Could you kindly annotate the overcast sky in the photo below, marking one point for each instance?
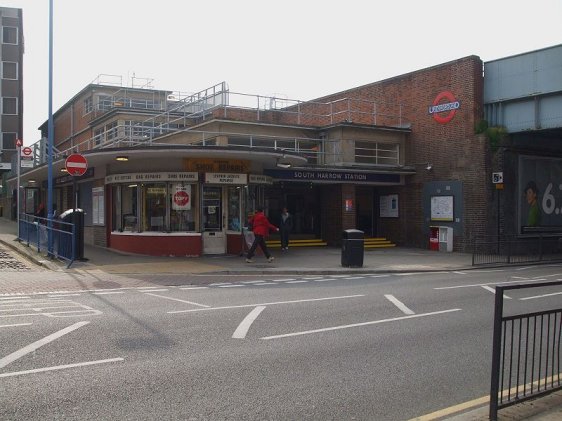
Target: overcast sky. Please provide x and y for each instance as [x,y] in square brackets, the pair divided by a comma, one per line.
[296,49]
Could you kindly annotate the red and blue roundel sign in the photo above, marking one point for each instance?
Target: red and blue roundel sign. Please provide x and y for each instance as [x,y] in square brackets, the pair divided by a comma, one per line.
[444,107]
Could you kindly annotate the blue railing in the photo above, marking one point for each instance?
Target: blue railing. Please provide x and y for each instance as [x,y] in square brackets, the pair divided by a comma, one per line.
[39,232]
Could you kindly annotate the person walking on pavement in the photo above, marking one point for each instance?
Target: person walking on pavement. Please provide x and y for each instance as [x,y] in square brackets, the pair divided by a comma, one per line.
[260,226]
[285,228]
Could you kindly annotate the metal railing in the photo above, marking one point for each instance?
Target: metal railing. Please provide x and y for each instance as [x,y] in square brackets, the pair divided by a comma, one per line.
[516,250]
[35,231]
[526,352]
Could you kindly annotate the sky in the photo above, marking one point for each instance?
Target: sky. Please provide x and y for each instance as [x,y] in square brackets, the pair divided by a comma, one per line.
[293,49]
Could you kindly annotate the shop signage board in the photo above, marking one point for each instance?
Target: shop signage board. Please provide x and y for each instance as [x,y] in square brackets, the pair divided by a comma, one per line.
[320,176]
[217,165]
[226,178]
[26,155]
[260,179]
[76,165]
[187,177]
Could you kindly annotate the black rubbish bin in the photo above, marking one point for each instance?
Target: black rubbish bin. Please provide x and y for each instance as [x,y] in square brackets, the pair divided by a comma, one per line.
[352,248]
[76,217]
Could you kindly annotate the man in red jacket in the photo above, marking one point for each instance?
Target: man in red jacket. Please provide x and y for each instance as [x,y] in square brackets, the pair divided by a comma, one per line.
[260,227]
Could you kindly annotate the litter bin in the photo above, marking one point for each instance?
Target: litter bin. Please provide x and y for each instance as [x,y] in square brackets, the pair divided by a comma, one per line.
[352,249]
[76,217]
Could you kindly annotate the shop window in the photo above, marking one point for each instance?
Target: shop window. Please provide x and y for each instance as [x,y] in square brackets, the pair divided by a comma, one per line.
[154,195]
[183,207]
[234,210]
[125,211]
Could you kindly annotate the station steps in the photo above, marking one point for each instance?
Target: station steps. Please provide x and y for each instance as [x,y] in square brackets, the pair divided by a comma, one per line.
[369,243]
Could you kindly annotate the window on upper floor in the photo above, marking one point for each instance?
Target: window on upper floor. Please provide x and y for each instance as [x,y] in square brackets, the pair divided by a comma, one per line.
[88,105]
[9,141]
[111,130]
[9,35]
[9,70]
[377,153]
[105,102]
[98,136]
[9,106]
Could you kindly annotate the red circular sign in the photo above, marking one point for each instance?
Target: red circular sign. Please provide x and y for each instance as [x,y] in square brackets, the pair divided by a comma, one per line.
[27,151]
[181,198]
[439,107]
[76,164]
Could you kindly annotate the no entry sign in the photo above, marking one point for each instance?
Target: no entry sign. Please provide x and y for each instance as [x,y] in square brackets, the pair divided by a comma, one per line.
[76,164]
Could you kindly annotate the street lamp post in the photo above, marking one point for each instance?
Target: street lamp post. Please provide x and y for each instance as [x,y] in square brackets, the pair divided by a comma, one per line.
[50,137]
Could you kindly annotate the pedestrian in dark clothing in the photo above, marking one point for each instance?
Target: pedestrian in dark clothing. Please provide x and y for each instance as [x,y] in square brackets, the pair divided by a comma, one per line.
[260,226]
[285,228]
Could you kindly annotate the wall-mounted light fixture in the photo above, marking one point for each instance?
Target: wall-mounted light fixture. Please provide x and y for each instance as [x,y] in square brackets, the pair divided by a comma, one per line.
[63,169]
[121,158]
[283,164]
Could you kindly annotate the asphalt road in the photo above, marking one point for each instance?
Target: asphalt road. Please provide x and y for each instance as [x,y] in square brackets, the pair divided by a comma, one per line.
[366,347]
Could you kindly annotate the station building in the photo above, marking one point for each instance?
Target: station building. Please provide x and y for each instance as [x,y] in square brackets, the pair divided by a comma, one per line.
[411,158]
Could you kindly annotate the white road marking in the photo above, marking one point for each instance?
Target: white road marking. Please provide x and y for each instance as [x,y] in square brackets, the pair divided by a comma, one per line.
[231,286]
[15,298]
[327,329]
[156,290]
[322,280]
[60,367]
[312,277]
[64,295]
[296,282]
[459,272]
[177,299]
[493,291]
[338,276]
[488,271]
[147,287]
[398,304]
[519,277]
[282,280]
[266,283]
[378,276]
[490,283]
[216,284]
[194,288]
[356,277]
[17,324]
[242,329]
[540,296]
[38,344]
[108,293]
[252,282]
[267,304]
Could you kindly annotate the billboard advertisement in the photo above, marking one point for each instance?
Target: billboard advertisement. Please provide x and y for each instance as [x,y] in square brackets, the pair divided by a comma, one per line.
[540,194]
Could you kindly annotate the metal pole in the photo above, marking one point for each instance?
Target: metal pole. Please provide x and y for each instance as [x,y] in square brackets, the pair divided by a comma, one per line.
[496,353]
[50,137]
[18,191]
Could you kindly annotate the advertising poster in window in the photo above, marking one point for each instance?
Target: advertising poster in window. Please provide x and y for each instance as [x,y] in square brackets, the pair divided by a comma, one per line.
[181,198]
[540,194]
[389,206]
[442,208]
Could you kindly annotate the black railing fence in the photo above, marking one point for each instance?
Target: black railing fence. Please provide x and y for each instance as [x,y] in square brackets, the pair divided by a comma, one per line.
[35,231]
[516,250]
[526,352]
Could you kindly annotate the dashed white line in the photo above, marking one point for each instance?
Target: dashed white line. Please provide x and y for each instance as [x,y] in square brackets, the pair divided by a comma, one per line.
[219,284]
[374,322]
[15,298]
[189,288]
[459,272]
[282,280]
[252,282]
[231,286]
[177,299]
[398,304]
[63,295]
[60,367]
[296,282]
[244,326]
[108,293]
[322,280]
[267,304]
[355,277]
[266,283]
[38,344]
[17,324]
[493,291]
[540,296]
[155,290]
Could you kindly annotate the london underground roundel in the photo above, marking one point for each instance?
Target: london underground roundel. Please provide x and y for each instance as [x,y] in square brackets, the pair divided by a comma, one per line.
[444,107]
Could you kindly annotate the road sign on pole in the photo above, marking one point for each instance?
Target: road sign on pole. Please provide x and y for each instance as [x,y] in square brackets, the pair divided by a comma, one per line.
[76,164]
